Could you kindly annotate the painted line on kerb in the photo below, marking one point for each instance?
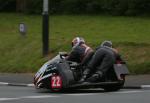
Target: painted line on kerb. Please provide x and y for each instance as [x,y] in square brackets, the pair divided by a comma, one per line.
[3,83]
[16,84]
[7,99]
[30,85]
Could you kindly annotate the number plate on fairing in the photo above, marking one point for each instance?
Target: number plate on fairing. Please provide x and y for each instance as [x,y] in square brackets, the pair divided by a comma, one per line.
[56,82]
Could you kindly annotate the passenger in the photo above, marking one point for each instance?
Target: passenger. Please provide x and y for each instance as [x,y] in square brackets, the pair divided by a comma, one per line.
[102,60]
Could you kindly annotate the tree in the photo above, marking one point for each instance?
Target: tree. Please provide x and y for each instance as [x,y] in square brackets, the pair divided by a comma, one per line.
[21,5]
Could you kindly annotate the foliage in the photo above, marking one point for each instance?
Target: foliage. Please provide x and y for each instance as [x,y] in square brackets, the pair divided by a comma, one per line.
[114,7]
[34,7]
[7,5]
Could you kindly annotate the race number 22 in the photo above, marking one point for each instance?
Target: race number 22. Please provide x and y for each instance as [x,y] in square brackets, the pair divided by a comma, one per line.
[56,82]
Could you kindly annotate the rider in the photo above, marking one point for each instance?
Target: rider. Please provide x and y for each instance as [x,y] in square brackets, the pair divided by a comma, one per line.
[102,60]
[80,53]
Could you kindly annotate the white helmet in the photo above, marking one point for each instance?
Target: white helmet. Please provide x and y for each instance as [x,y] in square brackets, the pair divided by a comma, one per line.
[77,41]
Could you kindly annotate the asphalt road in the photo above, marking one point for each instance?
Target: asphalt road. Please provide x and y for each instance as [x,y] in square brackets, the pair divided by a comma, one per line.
[131,80]
[15,94]
[22,94]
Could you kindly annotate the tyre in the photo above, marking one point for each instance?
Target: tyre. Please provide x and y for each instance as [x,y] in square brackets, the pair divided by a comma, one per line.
[115,87]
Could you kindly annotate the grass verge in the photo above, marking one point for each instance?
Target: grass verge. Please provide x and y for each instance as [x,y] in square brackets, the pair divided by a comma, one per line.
[130,36]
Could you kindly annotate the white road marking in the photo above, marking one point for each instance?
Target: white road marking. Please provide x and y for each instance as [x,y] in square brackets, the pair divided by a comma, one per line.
[34,97]
[16,84]
[132,91]
[145,86]
[28,97]
[6,99]
[118,92]
[3,83]
[81,94]
[128,92]
[30,85]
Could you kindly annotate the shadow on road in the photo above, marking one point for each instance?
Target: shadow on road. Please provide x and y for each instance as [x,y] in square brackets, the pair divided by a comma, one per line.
[73,91]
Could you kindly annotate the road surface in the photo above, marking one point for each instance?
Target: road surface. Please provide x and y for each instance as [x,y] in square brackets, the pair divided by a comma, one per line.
[23,94]
[15,94]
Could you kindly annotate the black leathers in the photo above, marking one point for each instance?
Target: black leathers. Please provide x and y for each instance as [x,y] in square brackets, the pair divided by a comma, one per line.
[102,60]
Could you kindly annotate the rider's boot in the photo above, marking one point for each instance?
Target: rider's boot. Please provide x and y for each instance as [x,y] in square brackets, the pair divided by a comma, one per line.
[96,77]
[85,75]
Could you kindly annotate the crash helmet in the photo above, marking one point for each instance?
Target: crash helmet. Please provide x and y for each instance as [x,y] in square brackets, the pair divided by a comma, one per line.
[77,41]
[106,43]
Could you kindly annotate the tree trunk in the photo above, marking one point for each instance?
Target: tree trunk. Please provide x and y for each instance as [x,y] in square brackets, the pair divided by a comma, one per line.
[21,5]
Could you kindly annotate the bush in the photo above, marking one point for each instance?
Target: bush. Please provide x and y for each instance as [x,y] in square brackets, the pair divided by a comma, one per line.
[126,7]
[7,5]
[34,7]
[94,7]
[136,7]
[74,6]
[114,7]
[55,6]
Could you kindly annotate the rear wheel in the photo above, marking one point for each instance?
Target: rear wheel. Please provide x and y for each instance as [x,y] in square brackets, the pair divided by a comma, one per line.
[115,87]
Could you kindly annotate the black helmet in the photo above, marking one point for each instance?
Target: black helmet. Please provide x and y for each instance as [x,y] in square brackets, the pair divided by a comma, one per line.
[77,41]
[106,43]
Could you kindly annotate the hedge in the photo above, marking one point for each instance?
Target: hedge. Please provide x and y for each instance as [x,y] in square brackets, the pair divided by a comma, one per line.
[7,5]
[114,7]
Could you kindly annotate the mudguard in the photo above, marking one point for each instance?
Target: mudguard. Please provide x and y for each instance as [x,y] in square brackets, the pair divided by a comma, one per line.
[121,69]
[65,73]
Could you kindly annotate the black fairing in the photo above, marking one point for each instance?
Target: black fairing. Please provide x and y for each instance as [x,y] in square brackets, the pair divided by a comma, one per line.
[66,73]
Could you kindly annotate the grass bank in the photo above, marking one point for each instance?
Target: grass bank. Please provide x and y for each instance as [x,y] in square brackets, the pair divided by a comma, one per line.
[130,35]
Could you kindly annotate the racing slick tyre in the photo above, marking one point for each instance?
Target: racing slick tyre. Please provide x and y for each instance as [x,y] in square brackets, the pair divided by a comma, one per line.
[115,87]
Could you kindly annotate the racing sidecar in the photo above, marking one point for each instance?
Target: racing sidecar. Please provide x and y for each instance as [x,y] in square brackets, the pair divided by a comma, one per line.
[58,74]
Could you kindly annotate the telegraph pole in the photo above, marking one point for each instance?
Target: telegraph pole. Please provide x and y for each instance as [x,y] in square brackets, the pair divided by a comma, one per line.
[45,34]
